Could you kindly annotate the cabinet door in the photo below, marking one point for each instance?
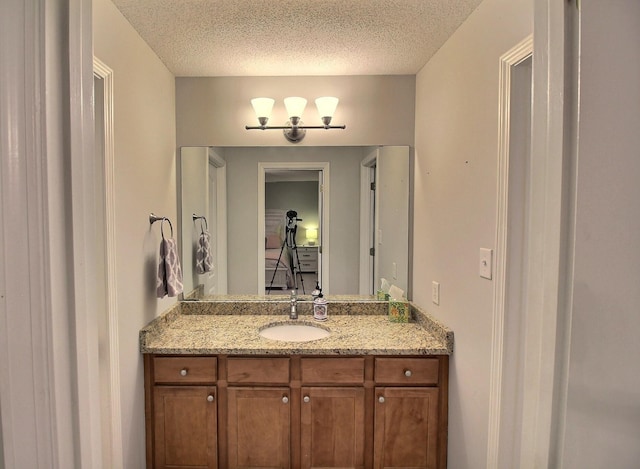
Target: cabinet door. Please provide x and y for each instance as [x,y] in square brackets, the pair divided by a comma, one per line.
[332,430]
[185,423]
[406,428]
[258,427]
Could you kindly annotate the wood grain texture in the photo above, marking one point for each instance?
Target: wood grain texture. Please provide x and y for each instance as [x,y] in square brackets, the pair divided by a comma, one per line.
[185,427]
[258,370]
[406,428]
[332,427]
[199,370]
[332,370]
[258,427]
[421,371]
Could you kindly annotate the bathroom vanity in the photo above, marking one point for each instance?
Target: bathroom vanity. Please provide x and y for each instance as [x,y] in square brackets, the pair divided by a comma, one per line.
[372,394]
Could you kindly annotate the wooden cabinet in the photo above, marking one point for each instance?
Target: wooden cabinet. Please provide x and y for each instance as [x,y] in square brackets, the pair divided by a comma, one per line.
[410,421]
[332,427]
[258,413]
[296,412]
[182,402]
[332,412]
[258,427]
[406,428]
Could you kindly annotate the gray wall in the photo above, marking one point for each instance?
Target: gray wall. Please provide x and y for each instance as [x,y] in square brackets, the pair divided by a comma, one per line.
[392,191]
[242,198]
[602,424]
[301,196]
[377,110]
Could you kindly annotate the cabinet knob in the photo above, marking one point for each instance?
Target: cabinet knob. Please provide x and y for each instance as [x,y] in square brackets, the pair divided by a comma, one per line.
[183,372]
[407,373]
[285,399]
[306,399]
[381,399]
[210,398]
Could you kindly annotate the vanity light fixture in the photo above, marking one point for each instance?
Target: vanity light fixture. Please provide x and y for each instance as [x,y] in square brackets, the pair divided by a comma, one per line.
[295,130]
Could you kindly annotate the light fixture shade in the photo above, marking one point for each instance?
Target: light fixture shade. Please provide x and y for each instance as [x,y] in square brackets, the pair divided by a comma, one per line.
[295,106]
[312,235]
[262,107]
[326,106]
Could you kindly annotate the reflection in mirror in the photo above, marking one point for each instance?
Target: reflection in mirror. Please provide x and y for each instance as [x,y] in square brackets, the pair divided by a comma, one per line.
[202,212]
[362,235]
[292,207]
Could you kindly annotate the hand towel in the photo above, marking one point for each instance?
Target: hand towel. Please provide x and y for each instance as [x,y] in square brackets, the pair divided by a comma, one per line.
[204,258]
[169,270]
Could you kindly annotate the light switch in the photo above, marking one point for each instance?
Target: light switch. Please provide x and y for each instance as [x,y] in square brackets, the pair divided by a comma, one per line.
[435,292]
[486,263]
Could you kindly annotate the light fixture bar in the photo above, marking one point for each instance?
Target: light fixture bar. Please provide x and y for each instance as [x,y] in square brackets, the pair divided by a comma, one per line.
[302,127]
[295,130]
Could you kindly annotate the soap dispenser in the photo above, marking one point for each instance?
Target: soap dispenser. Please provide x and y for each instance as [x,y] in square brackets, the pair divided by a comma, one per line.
[320,308]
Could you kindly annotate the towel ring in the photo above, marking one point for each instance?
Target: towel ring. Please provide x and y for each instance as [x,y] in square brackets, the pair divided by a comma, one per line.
[206,225]
[162,227]
[153,218]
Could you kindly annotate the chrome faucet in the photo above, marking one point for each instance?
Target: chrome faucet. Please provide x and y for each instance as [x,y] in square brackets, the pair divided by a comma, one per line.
[293,313]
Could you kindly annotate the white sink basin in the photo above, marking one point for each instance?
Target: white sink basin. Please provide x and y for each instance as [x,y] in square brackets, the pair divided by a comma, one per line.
[294,332]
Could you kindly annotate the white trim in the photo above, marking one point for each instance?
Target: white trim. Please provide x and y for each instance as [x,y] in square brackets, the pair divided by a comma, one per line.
[215,159]
[366,267]
[325,240]
[221,221]
[81,146]
[512,58]
[544,303]
[102,71]
[28,370]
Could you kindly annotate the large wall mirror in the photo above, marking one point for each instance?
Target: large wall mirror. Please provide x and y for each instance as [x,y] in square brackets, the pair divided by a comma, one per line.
[347,207]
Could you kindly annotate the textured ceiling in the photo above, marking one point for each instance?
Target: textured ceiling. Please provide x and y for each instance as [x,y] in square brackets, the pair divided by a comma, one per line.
[295,37]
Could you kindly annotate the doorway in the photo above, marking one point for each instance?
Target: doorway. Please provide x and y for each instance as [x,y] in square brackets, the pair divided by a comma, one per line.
[292,227]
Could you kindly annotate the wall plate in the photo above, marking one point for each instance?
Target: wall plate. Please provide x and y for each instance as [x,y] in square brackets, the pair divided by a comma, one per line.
[486,262]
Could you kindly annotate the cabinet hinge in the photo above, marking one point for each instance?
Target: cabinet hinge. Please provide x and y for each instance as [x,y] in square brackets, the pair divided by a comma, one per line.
[372,251]
[373,186]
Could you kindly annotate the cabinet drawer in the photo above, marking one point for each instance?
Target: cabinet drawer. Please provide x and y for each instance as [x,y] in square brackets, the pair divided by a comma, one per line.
[307,255]
[307,266]
[409,371]
[186,370]
[258,371]
[332,370]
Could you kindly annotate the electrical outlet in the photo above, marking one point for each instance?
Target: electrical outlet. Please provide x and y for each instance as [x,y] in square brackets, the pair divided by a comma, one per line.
[435,292]
[394,270]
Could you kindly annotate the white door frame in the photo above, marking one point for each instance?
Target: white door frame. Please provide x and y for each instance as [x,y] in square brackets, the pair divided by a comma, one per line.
[545,305]
[366,216]
[323,166]
[113,440]
[48,377]
[220,166]
[508,61]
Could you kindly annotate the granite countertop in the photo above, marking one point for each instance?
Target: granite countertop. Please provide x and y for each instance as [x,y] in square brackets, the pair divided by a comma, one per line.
[232,326]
